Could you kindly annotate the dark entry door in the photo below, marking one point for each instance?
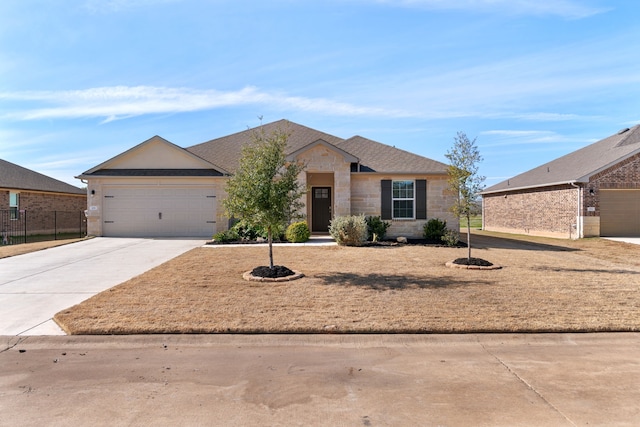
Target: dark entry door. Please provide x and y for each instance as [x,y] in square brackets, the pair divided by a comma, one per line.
[320,209]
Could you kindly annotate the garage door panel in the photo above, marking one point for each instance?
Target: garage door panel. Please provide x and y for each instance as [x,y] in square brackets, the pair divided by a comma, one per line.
[620,213]
[159,211]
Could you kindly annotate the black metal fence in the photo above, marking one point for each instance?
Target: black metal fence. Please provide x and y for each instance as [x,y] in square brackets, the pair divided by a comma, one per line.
[35,226]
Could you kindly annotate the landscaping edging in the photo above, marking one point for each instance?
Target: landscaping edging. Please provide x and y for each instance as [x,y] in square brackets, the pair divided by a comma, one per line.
[451,264]
[250,277]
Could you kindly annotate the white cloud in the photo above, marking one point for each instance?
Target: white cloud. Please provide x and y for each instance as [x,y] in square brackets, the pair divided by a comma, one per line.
[570,9]
[504,137]
[112,103]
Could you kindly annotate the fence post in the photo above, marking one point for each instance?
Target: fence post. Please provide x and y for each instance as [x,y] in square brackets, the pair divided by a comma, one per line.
[55,225]
[25,226]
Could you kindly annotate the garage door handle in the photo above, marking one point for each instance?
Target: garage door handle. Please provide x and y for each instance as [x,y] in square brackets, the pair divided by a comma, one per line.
[159,215]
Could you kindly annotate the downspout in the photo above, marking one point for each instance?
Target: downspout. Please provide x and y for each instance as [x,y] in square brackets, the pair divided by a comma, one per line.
[578,220]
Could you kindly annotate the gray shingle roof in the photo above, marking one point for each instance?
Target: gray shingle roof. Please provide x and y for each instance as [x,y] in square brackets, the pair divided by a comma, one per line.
[577,166]
[225,151]
[16,177]
[374,156]
[377,157]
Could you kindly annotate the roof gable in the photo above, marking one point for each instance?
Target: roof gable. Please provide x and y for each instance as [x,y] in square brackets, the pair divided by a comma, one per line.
[377,157]
[372,156]
[348,157]
[227,150]
[155,153]
[577,166]
[17,177]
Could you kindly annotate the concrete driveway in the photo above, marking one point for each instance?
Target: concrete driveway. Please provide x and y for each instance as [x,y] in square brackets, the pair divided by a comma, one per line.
[633,240]
[35,286]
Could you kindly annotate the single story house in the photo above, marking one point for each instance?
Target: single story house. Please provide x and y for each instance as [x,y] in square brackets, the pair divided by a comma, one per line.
[23,190]
[594,191]
[160,189]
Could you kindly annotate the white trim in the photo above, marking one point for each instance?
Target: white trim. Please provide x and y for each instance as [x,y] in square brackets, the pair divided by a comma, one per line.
[412,199]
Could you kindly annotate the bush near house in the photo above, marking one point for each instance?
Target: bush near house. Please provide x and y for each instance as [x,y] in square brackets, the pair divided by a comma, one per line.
[349,230]
[377,228]
[434,229]
[298,232]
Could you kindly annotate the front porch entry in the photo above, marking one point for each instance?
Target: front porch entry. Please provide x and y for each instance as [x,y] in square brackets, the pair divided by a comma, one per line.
[320,209]
[320,201]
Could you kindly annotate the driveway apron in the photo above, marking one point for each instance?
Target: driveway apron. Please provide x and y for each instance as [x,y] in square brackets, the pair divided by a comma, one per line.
[37,285]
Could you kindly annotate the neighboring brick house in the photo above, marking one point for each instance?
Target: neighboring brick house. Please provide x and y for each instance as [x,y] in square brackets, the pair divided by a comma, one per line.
[159,189]
[594,191]
[23,190]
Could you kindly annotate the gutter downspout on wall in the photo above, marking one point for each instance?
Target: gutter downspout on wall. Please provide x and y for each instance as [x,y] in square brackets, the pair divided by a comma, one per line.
[579,231]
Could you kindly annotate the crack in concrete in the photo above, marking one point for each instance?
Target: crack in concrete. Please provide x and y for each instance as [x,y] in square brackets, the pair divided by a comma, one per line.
[523,381]
[20,340]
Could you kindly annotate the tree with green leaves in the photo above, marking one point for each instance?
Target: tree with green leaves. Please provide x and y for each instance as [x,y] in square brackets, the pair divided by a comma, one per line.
[464,180]
[264,191]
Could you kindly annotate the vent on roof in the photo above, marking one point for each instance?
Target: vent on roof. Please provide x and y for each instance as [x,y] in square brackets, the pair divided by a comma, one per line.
[629,138]
[621,131]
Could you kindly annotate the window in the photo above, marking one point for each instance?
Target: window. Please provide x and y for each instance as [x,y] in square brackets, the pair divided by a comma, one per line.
[321,193]
[403,199]
[14,205]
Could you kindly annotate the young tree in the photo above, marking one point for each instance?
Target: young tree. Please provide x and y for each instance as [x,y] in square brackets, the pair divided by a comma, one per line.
[264,191]
[464,180]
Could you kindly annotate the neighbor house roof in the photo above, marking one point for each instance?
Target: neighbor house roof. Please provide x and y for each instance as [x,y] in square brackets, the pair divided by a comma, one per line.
[14,177]
[372,156]
[577,166]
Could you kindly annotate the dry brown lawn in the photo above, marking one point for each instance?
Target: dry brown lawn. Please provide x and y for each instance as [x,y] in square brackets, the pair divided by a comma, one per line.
[545,285]
[13,250]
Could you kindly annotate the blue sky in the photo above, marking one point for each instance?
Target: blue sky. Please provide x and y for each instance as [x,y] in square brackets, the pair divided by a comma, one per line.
[83,80]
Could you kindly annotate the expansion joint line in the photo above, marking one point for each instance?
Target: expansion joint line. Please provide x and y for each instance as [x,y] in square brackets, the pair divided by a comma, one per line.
[523,381]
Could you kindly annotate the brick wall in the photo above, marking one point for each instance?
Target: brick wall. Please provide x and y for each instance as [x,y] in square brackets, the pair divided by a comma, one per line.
[4,200]
[624,175]
[549,211]
[40,206]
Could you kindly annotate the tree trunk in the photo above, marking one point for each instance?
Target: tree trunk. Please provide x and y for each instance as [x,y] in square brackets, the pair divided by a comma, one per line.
[270,237]
[468,237]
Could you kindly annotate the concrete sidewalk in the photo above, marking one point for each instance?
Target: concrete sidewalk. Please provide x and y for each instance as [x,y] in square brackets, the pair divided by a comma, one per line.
[35,286]
[322,380]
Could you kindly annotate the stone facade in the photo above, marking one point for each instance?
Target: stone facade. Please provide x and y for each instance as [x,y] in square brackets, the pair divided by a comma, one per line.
[366,200]
[327,167]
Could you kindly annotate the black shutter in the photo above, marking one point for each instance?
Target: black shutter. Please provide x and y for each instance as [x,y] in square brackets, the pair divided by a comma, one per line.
[385,205]
[421,199]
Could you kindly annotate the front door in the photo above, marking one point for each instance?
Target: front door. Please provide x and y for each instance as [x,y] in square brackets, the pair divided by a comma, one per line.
[320,209]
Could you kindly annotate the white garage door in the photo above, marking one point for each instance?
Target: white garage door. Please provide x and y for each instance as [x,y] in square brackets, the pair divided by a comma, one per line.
[620,213]
[158,212]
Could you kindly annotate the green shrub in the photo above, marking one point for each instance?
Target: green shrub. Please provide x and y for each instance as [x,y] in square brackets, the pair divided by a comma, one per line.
[226,236]
[451,237]
[349,230]
[434,229]
[298,232]
[377,228]
[244,231]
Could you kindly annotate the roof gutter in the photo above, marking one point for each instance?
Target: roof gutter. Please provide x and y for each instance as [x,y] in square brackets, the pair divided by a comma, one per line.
[528,187]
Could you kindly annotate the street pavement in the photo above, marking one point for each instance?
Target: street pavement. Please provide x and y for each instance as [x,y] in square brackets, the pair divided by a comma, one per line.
[322,380]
